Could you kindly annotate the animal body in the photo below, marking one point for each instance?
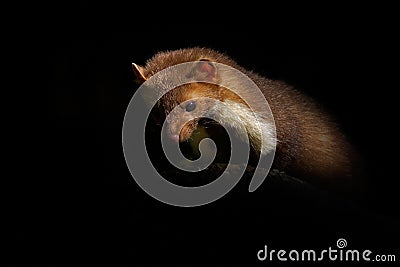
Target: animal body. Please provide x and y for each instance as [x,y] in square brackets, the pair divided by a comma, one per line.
[308,141]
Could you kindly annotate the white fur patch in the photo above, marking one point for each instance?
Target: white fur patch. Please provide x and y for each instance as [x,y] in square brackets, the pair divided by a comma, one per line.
[260,132]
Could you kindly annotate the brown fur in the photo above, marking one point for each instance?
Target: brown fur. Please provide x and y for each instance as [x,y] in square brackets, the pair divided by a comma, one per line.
[309,142]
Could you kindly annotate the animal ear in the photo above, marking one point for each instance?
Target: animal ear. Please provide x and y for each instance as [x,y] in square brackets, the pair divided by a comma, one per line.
[205,69]
[139,73]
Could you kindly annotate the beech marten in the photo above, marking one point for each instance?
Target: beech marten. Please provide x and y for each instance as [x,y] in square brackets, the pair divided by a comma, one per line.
[309,142]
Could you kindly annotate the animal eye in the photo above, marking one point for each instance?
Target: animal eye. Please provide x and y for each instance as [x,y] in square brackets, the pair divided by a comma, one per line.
[191,106]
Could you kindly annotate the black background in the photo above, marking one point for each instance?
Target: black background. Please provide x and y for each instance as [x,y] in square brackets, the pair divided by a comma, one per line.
[94,212]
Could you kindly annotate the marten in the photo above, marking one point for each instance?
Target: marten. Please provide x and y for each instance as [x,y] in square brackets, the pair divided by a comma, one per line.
[309,143]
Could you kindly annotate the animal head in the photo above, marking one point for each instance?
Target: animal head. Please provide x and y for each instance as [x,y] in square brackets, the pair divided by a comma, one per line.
[184,105]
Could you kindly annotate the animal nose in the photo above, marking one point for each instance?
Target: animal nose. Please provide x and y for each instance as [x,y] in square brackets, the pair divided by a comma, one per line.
[174,137]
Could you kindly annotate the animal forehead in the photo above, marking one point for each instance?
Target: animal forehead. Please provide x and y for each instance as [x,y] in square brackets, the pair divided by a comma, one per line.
[199,90]
[187,92]
[182,93]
